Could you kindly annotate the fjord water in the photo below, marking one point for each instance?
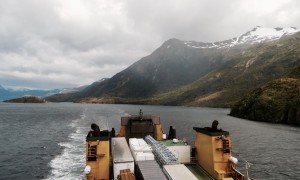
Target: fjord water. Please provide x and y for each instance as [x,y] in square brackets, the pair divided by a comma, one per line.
[47,141]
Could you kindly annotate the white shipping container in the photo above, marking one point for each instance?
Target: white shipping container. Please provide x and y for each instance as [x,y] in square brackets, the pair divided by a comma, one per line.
[122,157]
[182,153]
[179,149]
[178,172]
[141,148]
[139,156]
[149,156]
[143,156]
[139,145]
[142,142]
[133,142]
[141,151]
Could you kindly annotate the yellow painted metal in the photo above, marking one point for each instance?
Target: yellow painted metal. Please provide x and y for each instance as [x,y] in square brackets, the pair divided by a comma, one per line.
[122,131]
[100,167]
[211,156]
[159,132]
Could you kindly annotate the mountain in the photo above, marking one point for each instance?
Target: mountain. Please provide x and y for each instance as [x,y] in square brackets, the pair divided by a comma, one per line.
[170,66]
[3,93]
[27,99]
[74,89]
[199,74]
[241,73]
[278,101]
[6,94]
[256,35]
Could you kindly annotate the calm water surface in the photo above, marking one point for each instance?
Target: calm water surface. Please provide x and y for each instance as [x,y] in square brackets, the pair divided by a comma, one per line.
[47,141]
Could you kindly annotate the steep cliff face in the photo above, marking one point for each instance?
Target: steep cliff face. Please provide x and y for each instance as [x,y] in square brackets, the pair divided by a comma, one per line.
[278,101]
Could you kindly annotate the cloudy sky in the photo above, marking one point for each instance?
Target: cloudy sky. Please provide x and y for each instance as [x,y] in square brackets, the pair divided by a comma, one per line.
[65,43]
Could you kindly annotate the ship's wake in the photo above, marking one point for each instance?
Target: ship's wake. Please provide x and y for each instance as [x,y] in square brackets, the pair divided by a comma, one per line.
[69,163]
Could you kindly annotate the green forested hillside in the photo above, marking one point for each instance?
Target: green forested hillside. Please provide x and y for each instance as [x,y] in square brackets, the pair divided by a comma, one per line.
[241,73]
[27,99]
[278,101]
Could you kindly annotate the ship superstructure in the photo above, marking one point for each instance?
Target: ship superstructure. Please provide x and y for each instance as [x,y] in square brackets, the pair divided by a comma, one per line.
[141,150]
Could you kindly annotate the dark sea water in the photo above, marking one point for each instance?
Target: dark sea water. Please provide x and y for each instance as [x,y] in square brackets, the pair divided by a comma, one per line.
[47,141]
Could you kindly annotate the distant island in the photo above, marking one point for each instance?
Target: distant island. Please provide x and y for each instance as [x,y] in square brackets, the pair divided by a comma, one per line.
[27,99]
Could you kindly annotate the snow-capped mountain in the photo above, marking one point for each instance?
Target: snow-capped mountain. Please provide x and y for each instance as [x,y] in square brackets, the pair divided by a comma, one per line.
[9,93]
[176,74]
[256,35]
[102,80]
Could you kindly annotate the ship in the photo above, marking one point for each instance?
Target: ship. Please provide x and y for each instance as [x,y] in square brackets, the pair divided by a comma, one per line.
[142,151]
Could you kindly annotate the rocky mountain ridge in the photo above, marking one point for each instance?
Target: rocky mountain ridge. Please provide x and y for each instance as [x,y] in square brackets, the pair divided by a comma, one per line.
[176,74]
[240,73]
[257,35]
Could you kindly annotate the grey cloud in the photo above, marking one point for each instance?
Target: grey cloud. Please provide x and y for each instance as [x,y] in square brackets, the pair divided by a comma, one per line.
[70,43]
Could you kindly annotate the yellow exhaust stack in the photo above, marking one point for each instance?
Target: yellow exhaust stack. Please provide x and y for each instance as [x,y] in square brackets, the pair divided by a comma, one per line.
[97,157]
[213,150]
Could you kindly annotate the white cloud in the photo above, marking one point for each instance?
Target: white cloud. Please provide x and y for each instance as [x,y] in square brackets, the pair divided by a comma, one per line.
[55,44]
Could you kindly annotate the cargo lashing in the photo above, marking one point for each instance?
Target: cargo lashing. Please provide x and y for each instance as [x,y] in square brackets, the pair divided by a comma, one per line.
[163,155]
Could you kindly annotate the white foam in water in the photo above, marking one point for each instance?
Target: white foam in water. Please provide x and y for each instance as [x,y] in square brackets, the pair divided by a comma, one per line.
[69,164]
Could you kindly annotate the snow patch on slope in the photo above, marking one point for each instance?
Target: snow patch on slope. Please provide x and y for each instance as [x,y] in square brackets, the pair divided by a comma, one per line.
[256,35]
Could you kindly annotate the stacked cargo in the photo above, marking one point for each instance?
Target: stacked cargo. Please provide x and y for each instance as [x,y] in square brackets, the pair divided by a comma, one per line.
[146,168]
[140,150]
[122,158]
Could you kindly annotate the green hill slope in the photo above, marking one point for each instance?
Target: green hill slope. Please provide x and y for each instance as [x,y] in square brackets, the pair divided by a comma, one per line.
[241,73]
[278,101]
[27,99]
